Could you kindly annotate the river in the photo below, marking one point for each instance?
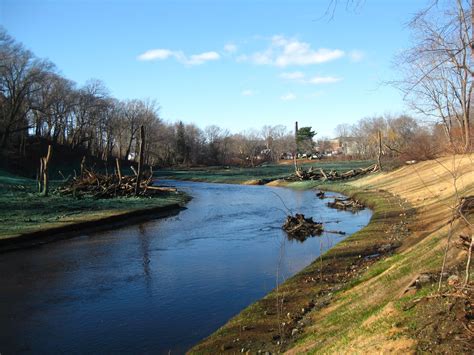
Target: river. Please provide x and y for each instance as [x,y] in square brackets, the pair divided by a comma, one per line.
[165,284]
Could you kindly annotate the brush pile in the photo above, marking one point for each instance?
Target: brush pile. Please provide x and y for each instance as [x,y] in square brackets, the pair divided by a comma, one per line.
[97,185]
[320,174]
[299,227]
[346,204]
[465,206]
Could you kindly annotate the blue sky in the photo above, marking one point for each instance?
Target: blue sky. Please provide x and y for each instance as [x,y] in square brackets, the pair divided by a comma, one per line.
[239,64]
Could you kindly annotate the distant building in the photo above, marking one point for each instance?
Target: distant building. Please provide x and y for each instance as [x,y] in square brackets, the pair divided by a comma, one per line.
[341,145]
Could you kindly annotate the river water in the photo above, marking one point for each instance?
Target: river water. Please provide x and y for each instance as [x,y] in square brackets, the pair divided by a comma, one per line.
[162,285]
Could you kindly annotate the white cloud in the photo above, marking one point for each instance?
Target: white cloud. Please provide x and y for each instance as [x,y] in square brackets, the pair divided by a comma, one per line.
[323,80]
[197,59]
[230,48]
[296,75]
[284,51]
[356,55]
[162,54]
[154,54]
[248,92]
[264,58]
[288,97]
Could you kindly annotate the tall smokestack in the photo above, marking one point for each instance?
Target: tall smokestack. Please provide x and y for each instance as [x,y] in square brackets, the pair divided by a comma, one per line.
[296,140]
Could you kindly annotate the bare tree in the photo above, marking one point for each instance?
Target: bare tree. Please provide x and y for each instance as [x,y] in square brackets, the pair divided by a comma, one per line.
[276,141]
[21,75]
[437,76]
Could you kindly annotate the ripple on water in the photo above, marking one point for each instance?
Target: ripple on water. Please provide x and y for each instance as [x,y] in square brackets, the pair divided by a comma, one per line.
[161,285]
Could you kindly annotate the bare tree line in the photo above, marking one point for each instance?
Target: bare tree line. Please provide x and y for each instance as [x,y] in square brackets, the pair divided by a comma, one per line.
[401,137]
[37,102]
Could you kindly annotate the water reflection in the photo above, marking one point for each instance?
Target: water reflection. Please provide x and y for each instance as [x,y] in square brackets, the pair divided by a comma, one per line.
[144,243]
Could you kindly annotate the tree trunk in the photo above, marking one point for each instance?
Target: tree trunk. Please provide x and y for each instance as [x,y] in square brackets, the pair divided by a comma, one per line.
[39,177]
[140,159]
[45,171]
[379,155]
[119,171]
[83,165]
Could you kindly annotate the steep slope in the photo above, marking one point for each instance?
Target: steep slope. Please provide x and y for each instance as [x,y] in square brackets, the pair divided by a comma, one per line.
[377,290]
[382,312]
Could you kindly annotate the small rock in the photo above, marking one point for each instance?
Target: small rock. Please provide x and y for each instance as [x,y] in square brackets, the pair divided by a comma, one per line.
[303,310]
[288,315]
[294,332]
[385,248]
[424,279]
[453,280]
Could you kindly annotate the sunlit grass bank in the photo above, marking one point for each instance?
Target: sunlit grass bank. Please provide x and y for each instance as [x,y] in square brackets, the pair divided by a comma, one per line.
[265,173]
[23,210]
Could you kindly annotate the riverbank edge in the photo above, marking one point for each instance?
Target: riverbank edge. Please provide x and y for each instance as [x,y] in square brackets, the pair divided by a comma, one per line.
[264,327]
[89,225]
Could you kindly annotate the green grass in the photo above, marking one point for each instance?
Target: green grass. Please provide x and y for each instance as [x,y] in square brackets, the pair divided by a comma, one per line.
[233,175]
[23,210]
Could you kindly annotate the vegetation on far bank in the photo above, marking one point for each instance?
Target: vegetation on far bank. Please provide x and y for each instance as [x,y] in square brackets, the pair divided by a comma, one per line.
[263,173]
[23,210]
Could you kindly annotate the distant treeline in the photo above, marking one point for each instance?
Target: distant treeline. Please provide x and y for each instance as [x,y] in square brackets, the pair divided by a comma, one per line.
[37,102]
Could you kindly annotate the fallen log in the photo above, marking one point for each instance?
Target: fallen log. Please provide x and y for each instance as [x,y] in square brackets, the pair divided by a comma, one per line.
[298,227]
[346,204]
[320,174]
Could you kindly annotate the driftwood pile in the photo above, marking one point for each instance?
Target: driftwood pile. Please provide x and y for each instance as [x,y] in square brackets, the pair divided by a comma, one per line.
[465,206]
[346,204]
[108,186]
[320,174]
[298,227]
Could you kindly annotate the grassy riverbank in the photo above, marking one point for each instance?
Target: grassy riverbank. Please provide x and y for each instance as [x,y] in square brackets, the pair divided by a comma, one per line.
[260,174]
[24,211]
[377,290]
